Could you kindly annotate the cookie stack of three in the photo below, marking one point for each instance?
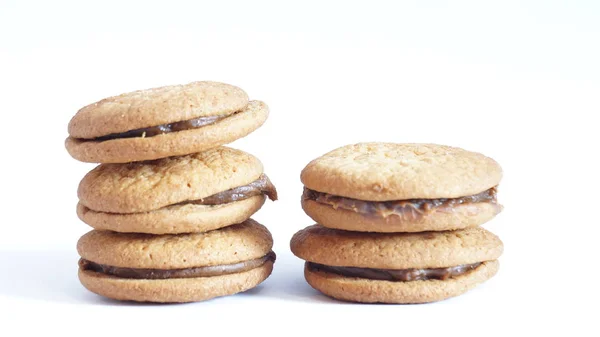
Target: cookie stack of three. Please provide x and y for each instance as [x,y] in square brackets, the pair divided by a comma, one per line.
[399,223]
[169,205]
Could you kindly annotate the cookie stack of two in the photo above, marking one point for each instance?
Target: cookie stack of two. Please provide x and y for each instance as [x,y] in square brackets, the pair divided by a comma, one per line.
[169,205]
[399,223]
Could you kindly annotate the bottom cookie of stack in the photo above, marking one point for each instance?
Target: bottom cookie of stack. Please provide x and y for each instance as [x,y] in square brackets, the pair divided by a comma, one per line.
[176,268]
[399,267]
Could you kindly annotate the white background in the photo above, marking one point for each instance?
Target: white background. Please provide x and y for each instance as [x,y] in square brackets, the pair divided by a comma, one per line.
[516,80]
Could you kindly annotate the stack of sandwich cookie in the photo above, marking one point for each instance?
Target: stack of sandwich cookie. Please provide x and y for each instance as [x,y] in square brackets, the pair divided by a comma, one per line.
[171,224]
[398,223]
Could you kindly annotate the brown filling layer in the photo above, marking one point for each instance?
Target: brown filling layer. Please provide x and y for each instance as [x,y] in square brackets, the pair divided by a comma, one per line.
[159,274]
[411,208]
[152,131]
[262,185]
[401,275]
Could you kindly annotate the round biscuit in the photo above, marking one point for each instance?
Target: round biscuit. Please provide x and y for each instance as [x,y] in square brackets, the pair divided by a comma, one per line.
[173,290]
[188,218]
[156,106]
[147,186]
[395,250]
[460,216]
[389,171]
[376,291]
[242,242]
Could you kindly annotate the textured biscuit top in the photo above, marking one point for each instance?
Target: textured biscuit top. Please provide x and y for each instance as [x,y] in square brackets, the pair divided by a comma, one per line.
[395,250]
[246,241]
[145,186]
[156,106]
[388,171]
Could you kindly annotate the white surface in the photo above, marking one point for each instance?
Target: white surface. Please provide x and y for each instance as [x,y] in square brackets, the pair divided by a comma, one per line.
[518,81]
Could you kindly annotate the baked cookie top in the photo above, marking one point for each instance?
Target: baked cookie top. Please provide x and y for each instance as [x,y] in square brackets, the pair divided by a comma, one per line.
[389,171]
[156,106]
[242,242]
[145,186]
[395,250]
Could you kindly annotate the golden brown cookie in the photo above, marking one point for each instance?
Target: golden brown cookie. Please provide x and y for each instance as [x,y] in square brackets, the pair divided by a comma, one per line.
[186,218]
[375,291]
[192,193]
[175,268]
[162,122]
[387,187]
[174,290]
[396,267]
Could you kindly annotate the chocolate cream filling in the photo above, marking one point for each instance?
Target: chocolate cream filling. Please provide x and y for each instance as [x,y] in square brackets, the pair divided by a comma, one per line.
[160,274]
[152,131]
[262,185]
[409,207]
[398,275]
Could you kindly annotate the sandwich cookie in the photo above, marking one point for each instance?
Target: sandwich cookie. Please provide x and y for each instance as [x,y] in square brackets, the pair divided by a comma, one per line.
[175,268]
[162,122]
[193,193]
[386,187]
[396,267]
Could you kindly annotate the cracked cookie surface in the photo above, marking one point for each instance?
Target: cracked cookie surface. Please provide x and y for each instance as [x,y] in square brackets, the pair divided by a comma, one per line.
[395,250]
[149,107]
[150,185]
[389,171]
[163,122]
[246,241]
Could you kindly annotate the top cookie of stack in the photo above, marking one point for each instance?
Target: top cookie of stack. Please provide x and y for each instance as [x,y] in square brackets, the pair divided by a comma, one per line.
[386,187]
[163,122]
